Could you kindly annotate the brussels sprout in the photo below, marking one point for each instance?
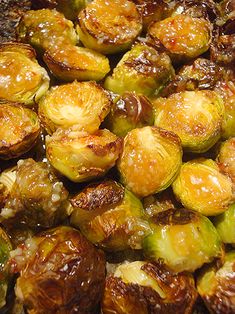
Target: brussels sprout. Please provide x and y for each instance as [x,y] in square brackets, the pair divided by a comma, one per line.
[223,49]
[5,248]
[150,288]
[150,160]
[70,8]
[21,78]
[200,74]
[60,272]
[76,63]
[109,216]
[84,103]
[225,225]
[184,239]
[81,156]
[19,129]
[201,187]
[109,26]
[226,89]
[142,70]
[46,28]
[128,112]
[182,36]
[36,198]
[195,116]
[7,179]
[226,158]
[216,286]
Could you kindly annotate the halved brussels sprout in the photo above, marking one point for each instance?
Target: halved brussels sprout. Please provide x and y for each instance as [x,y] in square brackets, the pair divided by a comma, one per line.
[200,74]
[150,288]
[216,286]
[37,198]
[184,239]
[195,116]
[142,70]
[150,160]
[46,28]
[182,36]
[22,79]
[226,158]
[109,26]
[109,216]
[5,248]
[225,225]
[69,63]
[83,103]
[128,112]
[227,91]
[201,187]
[81,156]
[60,272]
[70,8]
[19,129]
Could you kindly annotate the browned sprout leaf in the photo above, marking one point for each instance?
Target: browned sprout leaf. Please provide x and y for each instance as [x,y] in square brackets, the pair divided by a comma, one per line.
[60,272]
[149,287]
[109,26]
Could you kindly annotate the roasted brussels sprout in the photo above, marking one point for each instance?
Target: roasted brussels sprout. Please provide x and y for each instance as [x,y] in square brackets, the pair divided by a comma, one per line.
[200,74]
[184,239]
[21,78]
[182,36]
[150,288]
[19,129]
[109,26]
[128,112]
[109,216]
[5,248]
[226,158]
[142,70]
[46,28]
[223,49]
[216,286]
[227,91]
[81,156]
[85,104]
[150,160]
[7,179]
[70,8]
[201,187]
[76,63]
[195,116]
[225,225]
[60,272]
[37,198]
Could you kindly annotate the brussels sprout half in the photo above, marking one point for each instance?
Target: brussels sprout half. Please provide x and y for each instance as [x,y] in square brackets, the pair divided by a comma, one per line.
[109,26]
[19,129]
[5,248]
[109,216]
[37,198]
[201,187]
[142,70]
[182,36]
[150,288]
[150,160]
[216,286]
[22,79]
[81,156]
[46,28]
[83,103]
[60,272]
[225,225]
[128,112]
[69,63]
[195,116]
[226,158]
[184,239]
